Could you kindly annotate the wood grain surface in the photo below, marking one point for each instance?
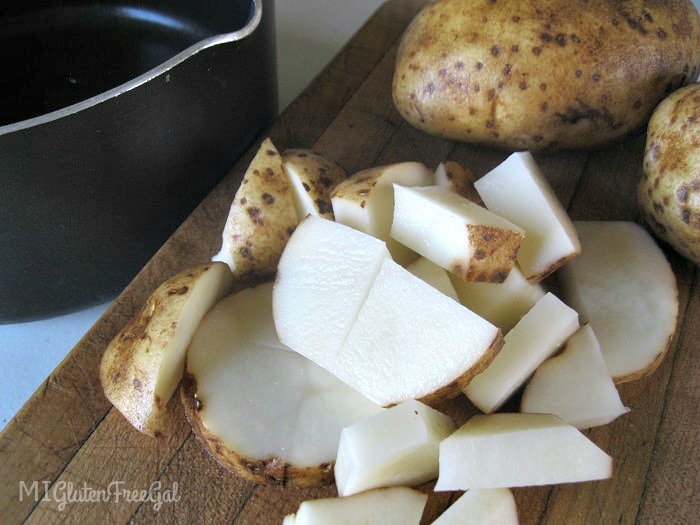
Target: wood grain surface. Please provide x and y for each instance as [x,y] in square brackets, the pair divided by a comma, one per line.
[68,435]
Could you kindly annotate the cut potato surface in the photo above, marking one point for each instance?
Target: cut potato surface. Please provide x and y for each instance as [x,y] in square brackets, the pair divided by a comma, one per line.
[624,286]
[517,190]
[253,319]
[481,507]
[575,385]
[143,365]
[390,506]
[434,275]
[457,178]
[412,342]
[323,278]
[312,177]
[265,412]
[396,447]
[537,335]
[502,304]
[341,301]
[464,238]
[365,201]
[261,218]
[518,450]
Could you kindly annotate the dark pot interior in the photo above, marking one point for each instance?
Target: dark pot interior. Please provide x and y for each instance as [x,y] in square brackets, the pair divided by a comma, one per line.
[87,198]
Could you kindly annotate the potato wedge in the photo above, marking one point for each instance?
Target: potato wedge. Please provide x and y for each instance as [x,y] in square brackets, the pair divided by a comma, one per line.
[365,202]
[261,218]
[455,177]
[312,177]
[143,365]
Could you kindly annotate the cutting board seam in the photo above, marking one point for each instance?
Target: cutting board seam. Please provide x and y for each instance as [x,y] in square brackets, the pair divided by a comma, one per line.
[676,345]
[163,471]
[66,465]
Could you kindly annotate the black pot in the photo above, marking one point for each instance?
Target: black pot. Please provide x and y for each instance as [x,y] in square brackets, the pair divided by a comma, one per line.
[115,121]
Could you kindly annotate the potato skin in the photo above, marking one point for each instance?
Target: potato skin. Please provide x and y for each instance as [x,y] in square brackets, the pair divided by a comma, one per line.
[131,363]
[669,191]
[269,471]
[549,75]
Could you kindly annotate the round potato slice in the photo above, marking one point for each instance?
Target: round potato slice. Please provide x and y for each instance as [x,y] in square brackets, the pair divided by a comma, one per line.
[264,412]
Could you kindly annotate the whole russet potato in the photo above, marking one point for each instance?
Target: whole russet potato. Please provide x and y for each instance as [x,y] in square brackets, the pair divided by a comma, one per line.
[543,75]
[669,191]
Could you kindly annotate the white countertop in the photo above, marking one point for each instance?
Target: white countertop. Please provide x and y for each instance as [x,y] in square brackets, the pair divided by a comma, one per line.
[309,34]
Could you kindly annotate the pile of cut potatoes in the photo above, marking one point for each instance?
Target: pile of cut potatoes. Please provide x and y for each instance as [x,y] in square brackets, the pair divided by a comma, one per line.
[370,300]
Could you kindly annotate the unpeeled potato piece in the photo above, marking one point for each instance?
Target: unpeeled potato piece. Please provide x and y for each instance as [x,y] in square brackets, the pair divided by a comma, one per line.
[312,177]
[669,191]
[261,218]
[143,364]
[558,74]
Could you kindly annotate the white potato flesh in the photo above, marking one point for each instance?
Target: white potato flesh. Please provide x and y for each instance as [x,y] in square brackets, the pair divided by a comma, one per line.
[390,506]
[502,304]
[517,190]
[624,286]
[460,236]
[456,178]
[575,385]
[434,275]
[265,401]
[323,278]
[537,335]
[518,450]
[253,307]
[409,340]
[207,290]
[365,201]
[481,507]
[396,447]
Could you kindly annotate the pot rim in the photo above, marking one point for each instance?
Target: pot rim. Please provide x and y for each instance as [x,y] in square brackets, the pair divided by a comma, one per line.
[141,79]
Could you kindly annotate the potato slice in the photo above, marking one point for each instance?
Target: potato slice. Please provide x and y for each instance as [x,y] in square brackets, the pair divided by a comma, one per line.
[324,275]
[518,450]
[312,177]
[575,385]
[143,364]
[458,179]
[261,219]
[396,447]
[392,506]
[365,201]
[264,412]
[537,335]
[624,286]
[481,507]
[502,304]
[410,341]
[464,238]
[517,190]
[341,301]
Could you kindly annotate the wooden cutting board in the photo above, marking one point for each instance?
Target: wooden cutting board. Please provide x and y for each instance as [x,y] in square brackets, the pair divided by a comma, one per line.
[69,439]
